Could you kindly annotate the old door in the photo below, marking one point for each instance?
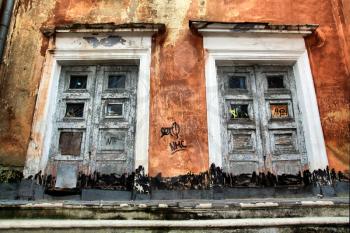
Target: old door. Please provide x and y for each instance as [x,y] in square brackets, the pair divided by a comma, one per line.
[95,120]
[261,123]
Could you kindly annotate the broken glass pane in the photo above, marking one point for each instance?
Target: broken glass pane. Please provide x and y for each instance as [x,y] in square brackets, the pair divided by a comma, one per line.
[114,110]
[75,110]
[77,82]
[279,110]
[239,111]
[237,82]
[116,81]
[275,81]
[70,143]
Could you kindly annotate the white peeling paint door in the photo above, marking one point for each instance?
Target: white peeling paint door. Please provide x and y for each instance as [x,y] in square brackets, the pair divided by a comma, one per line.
[95,119]
[260,120]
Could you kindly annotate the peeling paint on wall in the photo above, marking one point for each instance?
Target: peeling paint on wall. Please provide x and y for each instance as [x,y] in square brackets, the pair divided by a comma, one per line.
[107,42]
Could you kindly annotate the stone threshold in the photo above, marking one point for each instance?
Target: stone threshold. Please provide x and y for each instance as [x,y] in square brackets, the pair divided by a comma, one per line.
[183,203]
[218,223]
[176,209]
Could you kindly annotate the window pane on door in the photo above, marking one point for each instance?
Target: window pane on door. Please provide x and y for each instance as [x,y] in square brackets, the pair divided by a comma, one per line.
[78,82]
[237,82]
[275,81]
[116,81]
[238,111]
[114,110]
[74,110]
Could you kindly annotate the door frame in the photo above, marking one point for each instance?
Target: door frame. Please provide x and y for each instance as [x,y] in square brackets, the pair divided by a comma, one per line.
[264,48]
[74,48]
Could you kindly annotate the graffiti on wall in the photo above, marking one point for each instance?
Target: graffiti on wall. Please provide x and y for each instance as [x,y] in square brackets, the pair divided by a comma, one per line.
[177,144]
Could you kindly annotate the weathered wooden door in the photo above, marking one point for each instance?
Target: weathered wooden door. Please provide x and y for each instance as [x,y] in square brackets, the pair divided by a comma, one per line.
[95,119]
[260,120]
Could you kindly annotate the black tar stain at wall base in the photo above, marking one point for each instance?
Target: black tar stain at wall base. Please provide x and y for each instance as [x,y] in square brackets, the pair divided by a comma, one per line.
[214,181]
[212,184]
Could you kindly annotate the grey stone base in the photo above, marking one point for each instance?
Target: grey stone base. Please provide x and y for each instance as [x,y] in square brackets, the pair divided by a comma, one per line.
[28,190]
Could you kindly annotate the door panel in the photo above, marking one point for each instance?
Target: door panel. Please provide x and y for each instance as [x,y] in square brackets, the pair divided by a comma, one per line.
[261,123]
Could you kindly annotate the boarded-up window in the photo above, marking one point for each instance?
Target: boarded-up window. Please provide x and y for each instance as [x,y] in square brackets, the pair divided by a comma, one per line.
[70,143]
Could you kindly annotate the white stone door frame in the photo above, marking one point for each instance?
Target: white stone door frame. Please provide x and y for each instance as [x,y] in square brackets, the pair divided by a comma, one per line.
[72,48]
[263,48]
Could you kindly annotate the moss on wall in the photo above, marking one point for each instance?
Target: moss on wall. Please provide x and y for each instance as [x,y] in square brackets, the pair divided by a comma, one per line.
[10,174]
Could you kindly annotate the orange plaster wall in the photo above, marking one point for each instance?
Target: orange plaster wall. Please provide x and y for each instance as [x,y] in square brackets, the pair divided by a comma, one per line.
[177,72]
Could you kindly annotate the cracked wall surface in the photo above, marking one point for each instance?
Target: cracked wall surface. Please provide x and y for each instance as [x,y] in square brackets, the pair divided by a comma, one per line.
[177,72]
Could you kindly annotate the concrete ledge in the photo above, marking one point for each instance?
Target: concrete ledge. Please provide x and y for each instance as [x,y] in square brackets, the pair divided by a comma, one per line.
[176,209]
[221,223]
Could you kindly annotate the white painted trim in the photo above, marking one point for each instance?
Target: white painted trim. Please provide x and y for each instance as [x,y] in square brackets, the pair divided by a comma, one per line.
[315,144]
[214,137]
[277,49]
[267,31]
[41,135]
[212,223]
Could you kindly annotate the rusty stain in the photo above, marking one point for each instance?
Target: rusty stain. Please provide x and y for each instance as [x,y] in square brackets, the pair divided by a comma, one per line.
[178,61]
[44,45]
